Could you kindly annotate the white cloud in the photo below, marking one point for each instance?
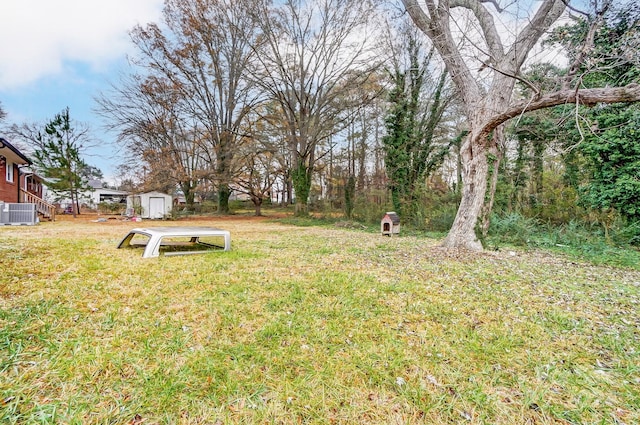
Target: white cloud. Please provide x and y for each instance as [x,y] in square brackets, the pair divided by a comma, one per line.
[37,37]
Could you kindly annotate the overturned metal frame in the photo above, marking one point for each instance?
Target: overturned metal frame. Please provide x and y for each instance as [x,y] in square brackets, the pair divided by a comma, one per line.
[158,238]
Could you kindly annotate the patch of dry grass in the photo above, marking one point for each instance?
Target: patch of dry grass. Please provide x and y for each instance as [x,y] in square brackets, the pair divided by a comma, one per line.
[312,325]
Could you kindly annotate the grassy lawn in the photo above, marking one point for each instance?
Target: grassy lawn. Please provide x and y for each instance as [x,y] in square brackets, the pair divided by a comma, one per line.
[309,325]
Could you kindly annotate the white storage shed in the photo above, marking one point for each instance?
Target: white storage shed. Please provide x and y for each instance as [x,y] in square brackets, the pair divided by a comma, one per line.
[150,204]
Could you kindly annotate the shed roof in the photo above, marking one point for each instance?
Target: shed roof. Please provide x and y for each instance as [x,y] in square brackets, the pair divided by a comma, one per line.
[152,193]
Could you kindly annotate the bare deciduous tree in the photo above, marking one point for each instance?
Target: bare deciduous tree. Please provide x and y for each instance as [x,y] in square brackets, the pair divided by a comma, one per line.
[488,100]
[257,172]
[160,138]
[203,53]
[313,54]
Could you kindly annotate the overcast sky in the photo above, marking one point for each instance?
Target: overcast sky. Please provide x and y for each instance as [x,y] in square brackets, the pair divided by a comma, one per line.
[59,53]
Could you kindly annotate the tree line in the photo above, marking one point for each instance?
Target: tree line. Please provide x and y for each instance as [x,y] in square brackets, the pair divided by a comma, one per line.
[439,110]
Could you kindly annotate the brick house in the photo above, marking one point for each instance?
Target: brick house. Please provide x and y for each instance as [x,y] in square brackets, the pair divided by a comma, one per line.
[10,178]
[18,184]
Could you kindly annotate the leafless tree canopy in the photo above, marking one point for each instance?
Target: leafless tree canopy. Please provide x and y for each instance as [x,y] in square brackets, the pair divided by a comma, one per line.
[313,55]
[185,114]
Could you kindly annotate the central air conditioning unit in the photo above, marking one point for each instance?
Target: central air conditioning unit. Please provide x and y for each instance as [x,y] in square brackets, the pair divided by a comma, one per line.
[18,214]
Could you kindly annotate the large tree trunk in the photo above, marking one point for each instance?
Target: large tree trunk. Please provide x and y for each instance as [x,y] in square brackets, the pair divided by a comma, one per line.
[224,193]
[479,157]
[301,177]
[189,195]
[301,208]
[223,170]
[257,203]
[475,172]
[287,194]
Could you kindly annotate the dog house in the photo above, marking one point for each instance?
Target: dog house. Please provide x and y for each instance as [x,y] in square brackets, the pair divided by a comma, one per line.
[390,224]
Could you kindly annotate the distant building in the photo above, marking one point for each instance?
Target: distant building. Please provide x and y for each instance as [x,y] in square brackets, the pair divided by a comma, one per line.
[99,194]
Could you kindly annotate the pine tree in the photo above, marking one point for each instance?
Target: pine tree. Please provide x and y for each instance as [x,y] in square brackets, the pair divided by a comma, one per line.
[58,158]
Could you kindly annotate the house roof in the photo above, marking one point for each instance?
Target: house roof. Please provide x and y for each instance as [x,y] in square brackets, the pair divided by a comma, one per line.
[12,153]
[107,191]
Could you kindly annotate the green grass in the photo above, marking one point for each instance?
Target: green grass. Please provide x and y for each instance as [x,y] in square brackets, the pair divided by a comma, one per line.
[309,325]
[576,240]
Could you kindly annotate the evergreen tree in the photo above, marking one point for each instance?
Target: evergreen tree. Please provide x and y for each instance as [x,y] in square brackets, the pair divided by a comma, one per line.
[394,143]
[606,137]
[410,145]
[613,156]
[58,159]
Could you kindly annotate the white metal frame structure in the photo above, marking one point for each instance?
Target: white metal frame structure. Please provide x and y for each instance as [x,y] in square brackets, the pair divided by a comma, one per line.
[157,235]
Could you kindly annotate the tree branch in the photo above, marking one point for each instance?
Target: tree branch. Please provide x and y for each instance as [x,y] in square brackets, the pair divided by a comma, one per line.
[587,97]
[588,44]
[436,26]
[485,19]
[419,17]
[547,14]
[524,81]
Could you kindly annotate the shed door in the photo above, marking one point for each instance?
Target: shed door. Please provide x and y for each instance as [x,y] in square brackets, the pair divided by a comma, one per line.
[156,207]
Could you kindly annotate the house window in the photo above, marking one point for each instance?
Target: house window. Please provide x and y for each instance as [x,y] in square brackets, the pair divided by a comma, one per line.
[9,169]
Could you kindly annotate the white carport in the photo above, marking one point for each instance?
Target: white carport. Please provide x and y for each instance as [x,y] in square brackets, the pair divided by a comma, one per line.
[150,204]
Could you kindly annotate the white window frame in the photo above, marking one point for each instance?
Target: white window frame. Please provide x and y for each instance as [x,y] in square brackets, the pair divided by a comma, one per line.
[9,171]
